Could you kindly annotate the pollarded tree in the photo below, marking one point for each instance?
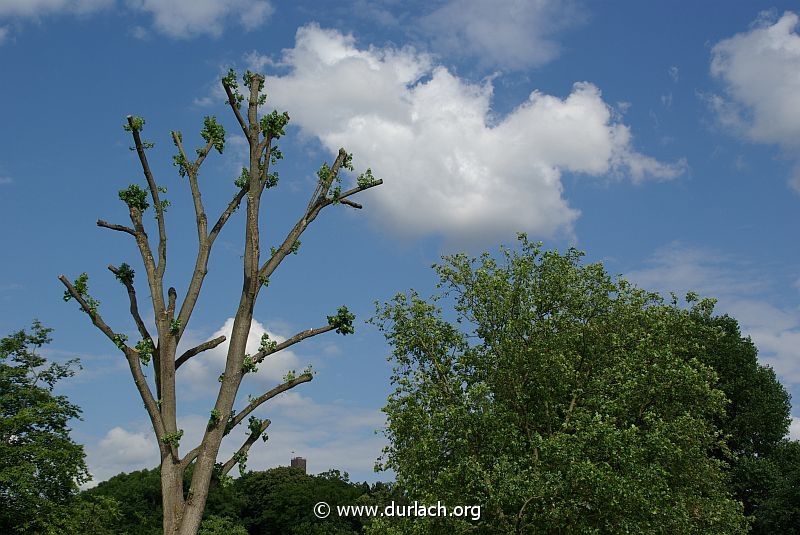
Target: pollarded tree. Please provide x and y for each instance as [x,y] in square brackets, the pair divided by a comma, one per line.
[183,511]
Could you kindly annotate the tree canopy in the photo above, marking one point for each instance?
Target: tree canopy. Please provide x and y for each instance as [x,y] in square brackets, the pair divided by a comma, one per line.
[562,400]
[40,465]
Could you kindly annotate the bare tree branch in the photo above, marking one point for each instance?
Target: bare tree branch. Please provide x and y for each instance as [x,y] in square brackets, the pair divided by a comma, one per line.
[201,263]
[226,214]
[242,451]
[254,404]
[205,346]
[189,457]
[113,226]
[131,355]
[315,207]
[157,206]
[234,104]
[191,170]
[201,156]
[299,337]
[134,306]
[351,203]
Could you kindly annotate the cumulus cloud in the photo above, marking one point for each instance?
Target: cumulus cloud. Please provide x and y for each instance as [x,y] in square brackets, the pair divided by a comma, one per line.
[188,18]
[505,34]
[38,8]
[758,69]
[203,370]
[450,166]
[120,450]
[794,428]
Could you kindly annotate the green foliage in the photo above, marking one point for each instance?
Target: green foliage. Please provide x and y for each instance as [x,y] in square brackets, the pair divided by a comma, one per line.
[213,419]
[771,484]
[86,514]
[218,525]
[240,458]
[229,80]
[347,162]
[81,285]
[172,439]
[271,180]
[325,174]
[175,326]
[40,466]
[254,425]
[244,179]
[119,340]
[139,497]
[573,402]
[214,133]
[135,197]
[125,274]
[180,162]
[267,345]
[281,500]
[291,375]
[365,179]
[273,124]
[136,124]
[248,365]
[145,349]
[343,321]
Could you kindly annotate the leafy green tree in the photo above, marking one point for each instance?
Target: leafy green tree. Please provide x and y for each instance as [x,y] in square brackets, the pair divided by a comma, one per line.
[219,525]
[139,496]
[559,399]
[755,421]
[95,515]
[40,466]
[771,485]
[183,509]
[281,500]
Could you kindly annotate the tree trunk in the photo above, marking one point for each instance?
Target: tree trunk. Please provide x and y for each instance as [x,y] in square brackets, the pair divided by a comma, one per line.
[172,495]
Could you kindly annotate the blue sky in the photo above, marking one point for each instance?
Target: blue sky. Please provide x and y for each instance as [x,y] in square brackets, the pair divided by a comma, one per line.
[661,138]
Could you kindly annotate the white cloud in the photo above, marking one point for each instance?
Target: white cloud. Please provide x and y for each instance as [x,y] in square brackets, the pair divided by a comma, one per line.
[38,8]
[449,165]
[202,371]
[758,69]
[188,18]
[506,34]
[3,37]
[794,428]
[121,450]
